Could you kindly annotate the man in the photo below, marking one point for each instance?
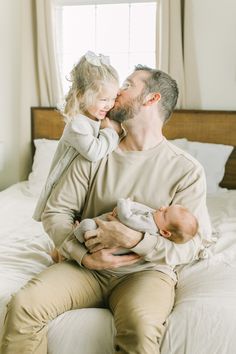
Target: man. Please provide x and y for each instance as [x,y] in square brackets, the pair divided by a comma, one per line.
[137,287]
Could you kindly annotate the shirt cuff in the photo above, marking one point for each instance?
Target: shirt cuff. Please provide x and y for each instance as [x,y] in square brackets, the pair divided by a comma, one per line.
[71,248]
[146,245]
[78,255]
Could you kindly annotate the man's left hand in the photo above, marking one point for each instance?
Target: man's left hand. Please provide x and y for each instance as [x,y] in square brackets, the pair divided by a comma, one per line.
[110,234]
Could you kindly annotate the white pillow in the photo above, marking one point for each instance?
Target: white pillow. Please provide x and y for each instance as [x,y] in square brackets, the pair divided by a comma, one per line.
[180,143]
[212,157]
[44,152]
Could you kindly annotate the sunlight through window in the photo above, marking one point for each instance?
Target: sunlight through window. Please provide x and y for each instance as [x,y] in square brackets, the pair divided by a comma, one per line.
[124,31]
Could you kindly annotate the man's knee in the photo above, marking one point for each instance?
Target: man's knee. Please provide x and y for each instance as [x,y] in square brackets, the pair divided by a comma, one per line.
[24,324]
[24,303]
[17,306]
[135,333]
[139,323]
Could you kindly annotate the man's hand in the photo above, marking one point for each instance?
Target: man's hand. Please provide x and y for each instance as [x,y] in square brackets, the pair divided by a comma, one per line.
[105,259]
[111,234]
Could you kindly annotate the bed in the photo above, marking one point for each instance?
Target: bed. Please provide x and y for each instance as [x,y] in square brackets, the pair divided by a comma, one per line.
[203,320]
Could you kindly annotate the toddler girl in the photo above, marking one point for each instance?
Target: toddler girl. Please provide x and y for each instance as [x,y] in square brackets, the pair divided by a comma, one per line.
[88,132]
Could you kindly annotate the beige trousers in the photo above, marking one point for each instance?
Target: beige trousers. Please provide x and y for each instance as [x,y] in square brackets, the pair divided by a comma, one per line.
[140,303]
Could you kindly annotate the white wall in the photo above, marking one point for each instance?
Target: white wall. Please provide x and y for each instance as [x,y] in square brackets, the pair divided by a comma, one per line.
[10,44]
[210,53]
[210,50]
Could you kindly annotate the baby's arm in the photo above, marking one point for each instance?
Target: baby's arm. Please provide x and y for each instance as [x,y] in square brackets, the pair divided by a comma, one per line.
[137,216]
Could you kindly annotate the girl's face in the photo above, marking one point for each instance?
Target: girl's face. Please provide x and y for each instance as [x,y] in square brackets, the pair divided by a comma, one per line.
[103,102]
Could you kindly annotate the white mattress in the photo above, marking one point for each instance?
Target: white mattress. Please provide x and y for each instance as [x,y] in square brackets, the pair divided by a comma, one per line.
[204,317]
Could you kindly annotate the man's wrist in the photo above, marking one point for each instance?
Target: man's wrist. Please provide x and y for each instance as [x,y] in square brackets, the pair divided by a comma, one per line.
[146,245]
[136,237]
[83,258]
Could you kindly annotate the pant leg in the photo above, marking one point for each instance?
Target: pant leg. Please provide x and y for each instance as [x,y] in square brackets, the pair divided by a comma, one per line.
[141,303]
[61,287]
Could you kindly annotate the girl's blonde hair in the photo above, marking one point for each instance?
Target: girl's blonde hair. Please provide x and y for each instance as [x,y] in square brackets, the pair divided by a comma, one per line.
[87,78]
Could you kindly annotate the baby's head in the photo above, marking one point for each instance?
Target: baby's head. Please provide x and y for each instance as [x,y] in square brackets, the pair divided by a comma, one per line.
[94,87]
[176,223]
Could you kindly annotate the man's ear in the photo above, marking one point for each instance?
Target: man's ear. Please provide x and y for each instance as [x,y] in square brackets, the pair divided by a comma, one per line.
[152,98]
[165,233]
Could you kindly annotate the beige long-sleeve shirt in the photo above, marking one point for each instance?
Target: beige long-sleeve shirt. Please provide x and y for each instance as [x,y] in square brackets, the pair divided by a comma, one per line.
[155,177]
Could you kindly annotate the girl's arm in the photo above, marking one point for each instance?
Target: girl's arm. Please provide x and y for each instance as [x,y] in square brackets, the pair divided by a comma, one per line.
[91,144]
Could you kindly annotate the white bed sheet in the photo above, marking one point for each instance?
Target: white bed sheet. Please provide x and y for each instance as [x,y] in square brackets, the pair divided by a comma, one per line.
[204,317]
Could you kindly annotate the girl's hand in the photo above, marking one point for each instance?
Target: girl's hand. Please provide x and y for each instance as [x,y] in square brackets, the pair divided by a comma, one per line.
[108,123]
[116,126]
[105,123]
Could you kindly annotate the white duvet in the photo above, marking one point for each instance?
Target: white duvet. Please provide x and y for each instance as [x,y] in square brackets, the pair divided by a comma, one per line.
[204,317]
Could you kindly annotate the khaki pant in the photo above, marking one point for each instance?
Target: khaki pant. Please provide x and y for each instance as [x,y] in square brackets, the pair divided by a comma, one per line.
[140,303]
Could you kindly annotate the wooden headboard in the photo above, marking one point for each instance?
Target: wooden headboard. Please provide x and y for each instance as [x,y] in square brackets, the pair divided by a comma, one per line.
[217,127]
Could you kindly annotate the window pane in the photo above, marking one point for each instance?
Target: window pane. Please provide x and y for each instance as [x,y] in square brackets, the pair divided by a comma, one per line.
[78,28]
[142,27]
[112,33]
[147,58]
[121,62]
[126,32]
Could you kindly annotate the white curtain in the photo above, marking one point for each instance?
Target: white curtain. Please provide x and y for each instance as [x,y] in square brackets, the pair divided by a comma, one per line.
[40,81]
[169,46]
[47,67]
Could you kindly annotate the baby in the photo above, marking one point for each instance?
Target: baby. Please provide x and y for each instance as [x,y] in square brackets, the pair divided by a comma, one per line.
[173,222]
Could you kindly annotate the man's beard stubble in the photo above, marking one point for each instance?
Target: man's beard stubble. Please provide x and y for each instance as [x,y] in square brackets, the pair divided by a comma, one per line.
[127,111]
[121,114]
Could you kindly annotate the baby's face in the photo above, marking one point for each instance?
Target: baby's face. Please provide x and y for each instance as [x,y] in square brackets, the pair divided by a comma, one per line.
[166,215]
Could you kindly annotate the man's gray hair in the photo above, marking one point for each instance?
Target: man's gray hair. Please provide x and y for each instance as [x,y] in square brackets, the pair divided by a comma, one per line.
[160,82]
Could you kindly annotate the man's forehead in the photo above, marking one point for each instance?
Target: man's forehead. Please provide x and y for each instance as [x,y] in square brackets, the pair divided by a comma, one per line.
[136,76]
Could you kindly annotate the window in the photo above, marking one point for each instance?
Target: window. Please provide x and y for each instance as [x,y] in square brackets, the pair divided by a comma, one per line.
[126,31]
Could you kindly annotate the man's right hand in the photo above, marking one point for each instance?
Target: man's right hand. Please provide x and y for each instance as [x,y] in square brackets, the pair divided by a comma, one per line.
[105,259]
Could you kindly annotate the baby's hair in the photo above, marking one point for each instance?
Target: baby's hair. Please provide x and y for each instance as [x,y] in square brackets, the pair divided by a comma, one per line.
[186,228]
[87,80]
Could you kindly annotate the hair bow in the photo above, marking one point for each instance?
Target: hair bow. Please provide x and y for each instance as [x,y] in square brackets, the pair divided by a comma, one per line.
[97,60]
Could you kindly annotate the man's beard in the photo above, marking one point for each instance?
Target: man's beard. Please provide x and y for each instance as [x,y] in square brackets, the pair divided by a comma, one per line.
[127,111]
